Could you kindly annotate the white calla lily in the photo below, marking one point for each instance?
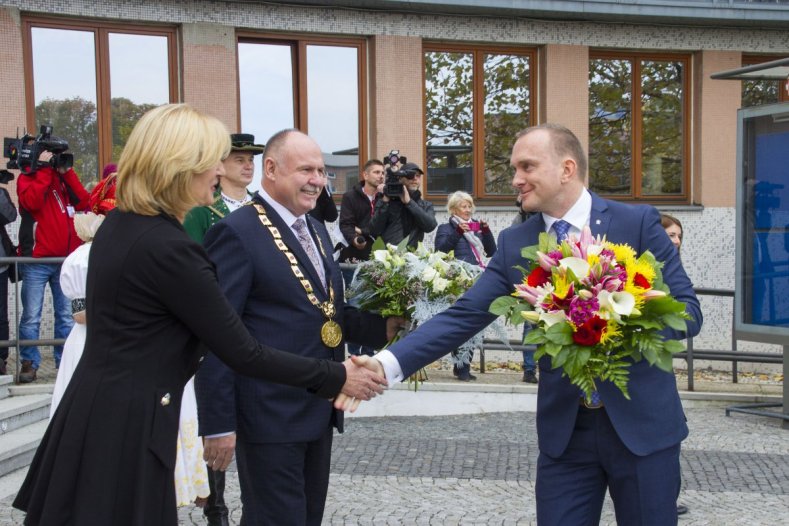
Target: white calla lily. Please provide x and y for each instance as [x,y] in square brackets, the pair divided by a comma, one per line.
[552,318]
[429,274]
[620,303]
[579,266]
[440,284]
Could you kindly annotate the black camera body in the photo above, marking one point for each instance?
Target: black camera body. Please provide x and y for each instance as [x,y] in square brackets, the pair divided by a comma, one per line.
[393,188]
[23,153]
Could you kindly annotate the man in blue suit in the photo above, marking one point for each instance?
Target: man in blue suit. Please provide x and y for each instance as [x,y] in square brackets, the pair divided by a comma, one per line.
[631,447]
[274,265]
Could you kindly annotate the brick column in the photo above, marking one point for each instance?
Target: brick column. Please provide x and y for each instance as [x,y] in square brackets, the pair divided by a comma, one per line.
[564,93]
[210,81]
[715,129]
[12,66]
[396,86]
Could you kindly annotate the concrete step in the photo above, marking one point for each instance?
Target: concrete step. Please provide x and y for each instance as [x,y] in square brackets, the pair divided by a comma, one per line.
[19,411]
[18,447]
[6,381]
[30,389]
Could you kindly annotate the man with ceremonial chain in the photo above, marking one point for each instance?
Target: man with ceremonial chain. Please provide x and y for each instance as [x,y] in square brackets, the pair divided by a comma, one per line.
[274,265]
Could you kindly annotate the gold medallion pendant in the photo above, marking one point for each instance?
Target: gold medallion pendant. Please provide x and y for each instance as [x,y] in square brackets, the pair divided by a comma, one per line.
[331,333]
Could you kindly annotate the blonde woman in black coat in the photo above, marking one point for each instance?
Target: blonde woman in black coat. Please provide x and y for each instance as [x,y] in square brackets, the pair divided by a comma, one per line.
[155,309]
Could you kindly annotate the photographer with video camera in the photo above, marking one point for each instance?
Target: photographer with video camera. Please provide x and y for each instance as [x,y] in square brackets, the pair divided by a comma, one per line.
[401,212]
[50,191]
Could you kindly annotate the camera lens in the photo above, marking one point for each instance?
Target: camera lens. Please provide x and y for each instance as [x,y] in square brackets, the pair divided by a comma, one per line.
[359,240]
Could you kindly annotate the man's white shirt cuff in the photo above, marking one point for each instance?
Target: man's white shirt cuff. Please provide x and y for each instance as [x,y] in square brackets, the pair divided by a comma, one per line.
[392,369]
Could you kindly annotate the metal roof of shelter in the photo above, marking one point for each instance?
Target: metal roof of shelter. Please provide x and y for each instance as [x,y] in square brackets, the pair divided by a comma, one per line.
[773,70]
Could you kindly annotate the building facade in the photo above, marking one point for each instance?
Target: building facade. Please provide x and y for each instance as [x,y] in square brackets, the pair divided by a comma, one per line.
[446,83]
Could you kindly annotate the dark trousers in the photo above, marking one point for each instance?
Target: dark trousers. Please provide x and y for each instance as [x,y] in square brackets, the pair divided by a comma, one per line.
[215,506]
[570,489]
[284,484]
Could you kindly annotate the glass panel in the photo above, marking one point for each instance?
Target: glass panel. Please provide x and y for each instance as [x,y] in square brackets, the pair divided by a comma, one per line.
[333,111]
[133,58]
[766,221]
[610,126]
[450,121]
[758,92]
[662,128]
[265,73]
[506,113]
[64,80]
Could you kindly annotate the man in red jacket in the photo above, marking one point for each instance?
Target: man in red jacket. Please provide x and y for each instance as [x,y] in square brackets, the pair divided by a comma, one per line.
[51,196]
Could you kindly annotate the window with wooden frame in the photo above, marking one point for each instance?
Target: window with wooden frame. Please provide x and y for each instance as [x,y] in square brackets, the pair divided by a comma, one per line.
[759,92]
[310,83]
[476,99]
[639,126]
[91,81]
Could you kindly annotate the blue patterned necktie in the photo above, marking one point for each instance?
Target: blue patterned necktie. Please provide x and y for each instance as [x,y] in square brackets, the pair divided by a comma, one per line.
[562,229]
[300,226]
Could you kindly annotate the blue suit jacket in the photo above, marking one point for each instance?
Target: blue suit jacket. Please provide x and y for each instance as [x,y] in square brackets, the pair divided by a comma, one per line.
[257,279]
[653,419]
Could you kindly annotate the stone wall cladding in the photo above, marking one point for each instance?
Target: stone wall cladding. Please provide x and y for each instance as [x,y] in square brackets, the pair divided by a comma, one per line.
[441,27]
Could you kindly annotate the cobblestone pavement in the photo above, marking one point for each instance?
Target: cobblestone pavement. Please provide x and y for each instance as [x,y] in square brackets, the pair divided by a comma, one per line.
[480,469]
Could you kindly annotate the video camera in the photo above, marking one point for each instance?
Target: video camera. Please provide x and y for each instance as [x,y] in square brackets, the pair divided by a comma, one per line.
[23,153]
[393,188]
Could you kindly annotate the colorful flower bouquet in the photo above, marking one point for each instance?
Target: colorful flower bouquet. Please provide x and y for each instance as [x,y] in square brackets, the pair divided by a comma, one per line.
[414,284]
[596,308]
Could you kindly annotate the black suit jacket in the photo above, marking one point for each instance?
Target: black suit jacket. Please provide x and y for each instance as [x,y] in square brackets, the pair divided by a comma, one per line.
[257,279]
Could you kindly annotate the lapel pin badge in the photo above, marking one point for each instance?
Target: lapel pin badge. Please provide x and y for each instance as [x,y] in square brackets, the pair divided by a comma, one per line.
[597,222]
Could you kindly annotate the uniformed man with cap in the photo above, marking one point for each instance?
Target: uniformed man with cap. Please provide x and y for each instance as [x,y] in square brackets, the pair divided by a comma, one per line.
[239,171]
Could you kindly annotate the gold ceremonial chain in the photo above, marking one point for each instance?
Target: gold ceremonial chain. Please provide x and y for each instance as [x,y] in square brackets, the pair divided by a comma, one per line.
[331,332]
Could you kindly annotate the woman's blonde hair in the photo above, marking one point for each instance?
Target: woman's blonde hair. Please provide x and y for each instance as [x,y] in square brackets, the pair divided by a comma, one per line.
[459,197]
[167,147]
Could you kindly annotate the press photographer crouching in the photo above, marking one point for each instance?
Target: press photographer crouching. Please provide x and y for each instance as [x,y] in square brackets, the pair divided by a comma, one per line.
[50,191]
[401,212]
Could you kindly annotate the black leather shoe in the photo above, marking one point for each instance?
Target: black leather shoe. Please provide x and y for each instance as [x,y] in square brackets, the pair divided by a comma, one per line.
[681,509]
[529,377]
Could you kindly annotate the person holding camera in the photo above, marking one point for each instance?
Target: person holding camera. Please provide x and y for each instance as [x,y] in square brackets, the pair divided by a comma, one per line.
[401,212]
[473,242]
[356,211]
[51,194]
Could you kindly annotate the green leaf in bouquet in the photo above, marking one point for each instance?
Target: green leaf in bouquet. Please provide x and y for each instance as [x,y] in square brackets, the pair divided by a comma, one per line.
[651,344]
[665,361]
[535,336]
[530,253]
[551,349]
[522,270]
[402,247]
[378,244]
[502,306]
[546,242]
[561,357]
[676,322]
[662,305]
[673,346]
[560,333]
[645,323]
